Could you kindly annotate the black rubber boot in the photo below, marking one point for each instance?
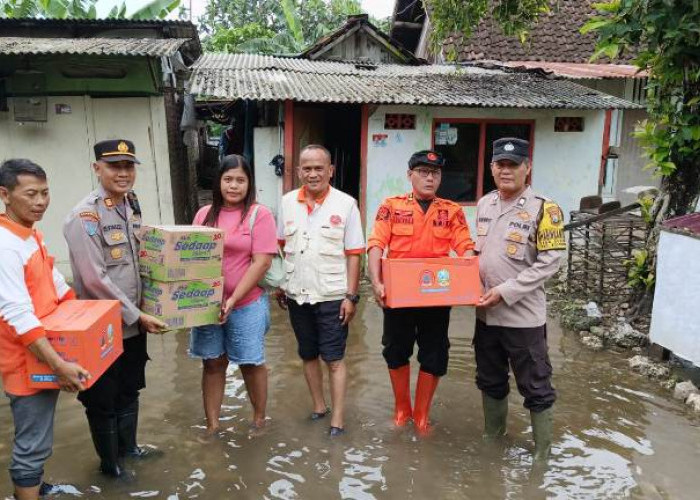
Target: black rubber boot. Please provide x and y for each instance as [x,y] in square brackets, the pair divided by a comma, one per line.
[104,437]
[128,422]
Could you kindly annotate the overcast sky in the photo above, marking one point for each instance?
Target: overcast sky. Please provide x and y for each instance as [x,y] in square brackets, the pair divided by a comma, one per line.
[376,8]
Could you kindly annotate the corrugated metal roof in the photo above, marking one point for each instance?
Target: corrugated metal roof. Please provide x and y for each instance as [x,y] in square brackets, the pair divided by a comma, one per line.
[582,70]
[252,76]
[688,224]
[91,46]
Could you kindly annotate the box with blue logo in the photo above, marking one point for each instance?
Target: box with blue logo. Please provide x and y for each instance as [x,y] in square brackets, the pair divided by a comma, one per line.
[183,304]
[443,281]
[87,332]
[177,253]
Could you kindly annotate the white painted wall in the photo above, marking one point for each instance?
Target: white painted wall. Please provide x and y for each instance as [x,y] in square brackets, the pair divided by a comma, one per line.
[63,147]
[565,165]
[267,185]
[675,319]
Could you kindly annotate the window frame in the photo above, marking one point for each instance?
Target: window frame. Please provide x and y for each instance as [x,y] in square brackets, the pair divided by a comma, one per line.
[483,123]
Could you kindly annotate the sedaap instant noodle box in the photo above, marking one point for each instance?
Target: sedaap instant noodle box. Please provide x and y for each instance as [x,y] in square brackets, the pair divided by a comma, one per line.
[183,304]
[177,253]
[87,332]
[431,282]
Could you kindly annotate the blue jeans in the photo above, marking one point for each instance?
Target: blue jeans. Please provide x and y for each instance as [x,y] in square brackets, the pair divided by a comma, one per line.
[241,338]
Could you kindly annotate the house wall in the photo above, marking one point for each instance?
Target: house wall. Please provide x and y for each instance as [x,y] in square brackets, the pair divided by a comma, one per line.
[565,165]
[59,74]
[627,170]
[63,147]
[268,186]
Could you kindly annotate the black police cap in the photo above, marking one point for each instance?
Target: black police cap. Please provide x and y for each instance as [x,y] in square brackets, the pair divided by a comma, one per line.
[114,150]
[426,157]
[511,148]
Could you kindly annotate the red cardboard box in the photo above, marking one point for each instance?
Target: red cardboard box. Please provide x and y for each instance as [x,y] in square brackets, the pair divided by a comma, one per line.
[87,332]
[431,282]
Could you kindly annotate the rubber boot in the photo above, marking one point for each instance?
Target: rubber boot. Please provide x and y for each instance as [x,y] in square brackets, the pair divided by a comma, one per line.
[127,422]
[425,389]
[542,433]
[495,415]
[105,439]
[401,384]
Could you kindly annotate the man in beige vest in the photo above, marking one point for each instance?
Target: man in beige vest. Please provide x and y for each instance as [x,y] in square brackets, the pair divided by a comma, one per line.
[321,231]
[520,241]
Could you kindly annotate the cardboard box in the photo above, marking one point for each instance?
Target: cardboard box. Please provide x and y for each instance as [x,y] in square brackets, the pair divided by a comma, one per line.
[431,282]
[87,332]
[178,253]
[183,304]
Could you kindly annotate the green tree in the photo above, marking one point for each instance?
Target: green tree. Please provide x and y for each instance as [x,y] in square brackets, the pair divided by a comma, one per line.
[666,34]
[82,9]
[272,27]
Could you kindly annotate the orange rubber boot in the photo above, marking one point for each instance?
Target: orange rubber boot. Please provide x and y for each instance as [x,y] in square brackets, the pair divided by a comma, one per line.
[401,383]
[425,389]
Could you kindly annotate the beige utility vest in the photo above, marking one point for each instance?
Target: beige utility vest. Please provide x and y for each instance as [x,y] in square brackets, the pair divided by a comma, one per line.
[314,248]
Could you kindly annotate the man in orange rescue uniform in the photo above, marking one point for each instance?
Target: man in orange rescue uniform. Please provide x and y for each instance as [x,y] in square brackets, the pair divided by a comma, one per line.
[417,224]
[30,288]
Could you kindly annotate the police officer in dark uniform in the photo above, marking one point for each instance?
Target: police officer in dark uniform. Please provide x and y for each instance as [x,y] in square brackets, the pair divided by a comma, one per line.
[102,235]
[520,242]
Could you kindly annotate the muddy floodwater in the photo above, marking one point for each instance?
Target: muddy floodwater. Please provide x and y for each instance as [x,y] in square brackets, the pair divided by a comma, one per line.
[616,434]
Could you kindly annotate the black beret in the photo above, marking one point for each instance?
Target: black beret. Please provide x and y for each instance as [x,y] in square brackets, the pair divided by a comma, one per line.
[428,158]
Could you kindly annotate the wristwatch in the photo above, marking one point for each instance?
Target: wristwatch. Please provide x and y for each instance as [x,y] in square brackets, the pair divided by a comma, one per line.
[352,298]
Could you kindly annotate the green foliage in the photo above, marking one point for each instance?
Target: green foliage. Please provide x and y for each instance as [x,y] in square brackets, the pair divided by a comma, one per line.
[272,27]
[639,272]
[452,17]
[82,9]
[646,207]
[230,39]
[666,36]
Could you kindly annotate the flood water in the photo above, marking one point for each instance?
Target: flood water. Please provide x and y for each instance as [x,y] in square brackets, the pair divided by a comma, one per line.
[616,434]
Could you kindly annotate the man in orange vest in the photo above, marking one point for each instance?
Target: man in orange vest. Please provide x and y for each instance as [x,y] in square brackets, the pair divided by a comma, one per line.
[417,224]
[30,288]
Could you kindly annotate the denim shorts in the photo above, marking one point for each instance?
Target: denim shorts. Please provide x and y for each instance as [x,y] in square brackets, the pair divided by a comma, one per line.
[241,338]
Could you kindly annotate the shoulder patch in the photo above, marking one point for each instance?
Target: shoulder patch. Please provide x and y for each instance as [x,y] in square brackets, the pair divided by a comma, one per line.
[550,230]
[383,214]
[90,222]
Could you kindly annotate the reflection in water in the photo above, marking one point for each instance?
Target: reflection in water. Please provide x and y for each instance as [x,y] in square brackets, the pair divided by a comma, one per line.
[616,434]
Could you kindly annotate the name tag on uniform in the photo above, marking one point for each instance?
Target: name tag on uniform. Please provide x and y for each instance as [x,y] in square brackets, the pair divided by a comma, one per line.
[482,229]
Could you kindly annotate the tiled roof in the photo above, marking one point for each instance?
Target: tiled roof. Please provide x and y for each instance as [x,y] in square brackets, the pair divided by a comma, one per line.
[555,37]
[251,76]
[153,47]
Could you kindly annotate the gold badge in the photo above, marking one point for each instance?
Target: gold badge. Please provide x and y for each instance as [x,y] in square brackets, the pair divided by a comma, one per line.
[116,253]
[524,215]
[109,203]
[117,236]
[123,147]
[512,249]
[515,237]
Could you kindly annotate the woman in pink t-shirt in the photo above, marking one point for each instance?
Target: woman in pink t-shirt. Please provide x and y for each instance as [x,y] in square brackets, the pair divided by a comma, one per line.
[245,313]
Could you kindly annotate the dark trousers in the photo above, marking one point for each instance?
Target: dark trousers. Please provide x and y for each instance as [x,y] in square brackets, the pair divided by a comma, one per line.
[526,350]
[426,326]
[118,388]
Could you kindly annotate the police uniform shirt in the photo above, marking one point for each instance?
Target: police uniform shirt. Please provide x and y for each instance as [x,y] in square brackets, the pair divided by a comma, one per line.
[103,244]
[520,246]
